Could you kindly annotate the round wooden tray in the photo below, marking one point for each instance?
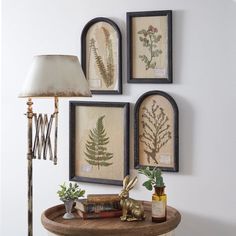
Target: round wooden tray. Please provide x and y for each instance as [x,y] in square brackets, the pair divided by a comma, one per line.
[52,220]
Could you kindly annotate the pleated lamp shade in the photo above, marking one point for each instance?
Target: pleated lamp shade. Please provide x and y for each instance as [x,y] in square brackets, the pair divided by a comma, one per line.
[55,76]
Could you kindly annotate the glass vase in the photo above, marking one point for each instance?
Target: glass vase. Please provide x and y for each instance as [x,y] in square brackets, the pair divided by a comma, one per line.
[159,206]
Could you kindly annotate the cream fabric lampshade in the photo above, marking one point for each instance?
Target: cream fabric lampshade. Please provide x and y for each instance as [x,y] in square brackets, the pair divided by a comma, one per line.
[55,76]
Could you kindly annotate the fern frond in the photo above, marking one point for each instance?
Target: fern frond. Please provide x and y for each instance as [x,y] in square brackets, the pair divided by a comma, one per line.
[92,162]
[101,68]
[110,60]
[96,152]
[105,163]
[107,72]
[98,59]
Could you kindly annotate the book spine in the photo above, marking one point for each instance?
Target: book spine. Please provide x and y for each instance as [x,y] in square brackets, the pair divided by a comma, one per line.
[104,214]
[112,206]
[102,198]
[95,207]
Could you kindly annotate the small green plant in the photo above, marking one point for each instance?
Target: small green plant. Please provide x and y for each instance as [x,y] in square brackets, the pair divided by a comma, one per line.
[154,177]
[72,192]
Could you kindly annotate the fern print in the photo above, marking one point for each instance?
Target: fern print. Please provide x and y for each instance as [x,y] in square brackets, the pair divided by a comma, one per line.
[150,39]
[106,71]
[96,150]
[156,130]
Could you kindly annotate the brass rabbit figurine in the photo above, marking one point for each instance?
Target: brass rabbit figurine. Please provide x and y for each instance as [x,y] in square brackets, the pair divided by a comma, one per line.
[132,210]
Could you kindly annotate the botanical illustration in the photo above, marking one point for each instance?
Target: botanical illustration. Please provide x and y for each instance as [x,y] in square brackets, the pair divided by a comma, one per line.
[156,130]
[150,39]
[96,150]
[105,67]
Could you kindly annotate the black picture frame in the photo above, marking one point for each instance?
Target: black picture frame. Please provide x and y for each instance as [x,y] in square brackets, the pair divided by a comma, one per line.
[175,130]
[72,139]
[143,78]
[118,61]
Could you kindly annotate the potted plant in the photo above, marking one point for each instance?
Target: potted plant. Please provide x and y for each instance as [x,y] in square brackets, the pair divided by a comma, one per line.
[68,194]
[159,198]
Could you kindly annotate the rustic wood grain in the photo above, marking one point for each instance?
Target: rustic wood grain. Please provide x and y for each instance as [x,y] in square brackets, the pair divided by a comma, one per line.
[52,220]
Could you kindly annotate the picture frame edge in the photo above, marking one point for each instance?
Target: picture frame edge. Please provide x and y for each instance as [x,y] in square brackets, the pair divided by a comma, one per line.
[129,16]
[72,107]
[174,105]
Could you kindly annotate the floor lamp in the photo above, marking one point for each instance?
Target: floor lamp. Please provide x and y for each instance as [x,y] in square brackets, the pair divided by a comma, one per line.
[49,76]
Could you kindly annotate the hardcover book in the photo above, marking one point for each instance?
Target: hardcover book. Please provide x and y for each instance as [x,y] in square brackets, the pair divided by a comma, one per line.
[98,198]
[102,214]
[85,206]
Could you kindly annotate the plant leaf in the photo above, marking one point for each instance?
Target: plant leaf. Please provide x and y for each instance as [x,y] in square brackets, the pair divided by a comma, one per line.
[148,185]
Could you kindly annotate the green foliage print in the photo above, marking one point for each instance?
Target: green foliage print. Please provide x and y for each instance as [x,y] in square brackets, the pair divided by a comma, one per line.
[106,72]
[96,150]
[150,39]
[156,130]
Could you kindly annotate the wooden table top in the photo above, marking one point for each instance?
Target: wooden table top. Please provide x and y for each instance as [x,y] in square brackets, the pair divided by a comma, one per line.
[52,220]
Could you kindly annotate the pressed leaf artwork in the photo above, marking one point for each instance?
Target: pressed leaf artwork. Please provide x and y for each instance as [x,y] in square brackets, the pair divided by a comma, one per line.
[150,39]
[149,46]
[106,66]
[99,134]
[156,130]
[96,146]
[101,56]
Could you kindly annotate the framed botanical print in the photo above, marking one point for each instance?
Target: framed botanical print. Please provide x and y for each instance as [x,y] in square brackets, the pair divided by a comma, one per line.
[149,47]
[101,56]
[99,142]
[156,137]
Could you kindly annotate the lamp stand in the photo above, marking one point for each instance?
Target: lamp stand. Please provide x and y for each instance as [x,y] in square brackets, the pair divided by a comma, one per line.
[30,115]
[41,143]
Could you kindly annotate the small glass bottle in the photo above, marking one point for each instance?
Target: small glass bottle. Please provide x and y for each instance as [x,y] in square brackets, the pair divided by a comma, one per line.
[159,206]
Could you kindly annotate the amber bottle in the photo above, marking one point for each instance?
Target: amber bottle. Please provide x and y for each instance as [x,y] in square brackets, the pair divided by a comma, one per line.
[159,206]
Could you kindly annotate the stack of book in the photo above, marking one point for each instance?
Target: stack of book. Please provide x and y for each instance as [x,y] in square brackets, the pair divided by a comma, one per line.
[99,206]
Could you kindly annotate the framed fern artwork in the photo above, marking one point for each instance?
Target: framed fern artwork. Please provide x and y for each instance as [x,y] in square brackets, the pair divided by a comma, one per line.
[101,56]
[149,49]
[156,137]
[99,142]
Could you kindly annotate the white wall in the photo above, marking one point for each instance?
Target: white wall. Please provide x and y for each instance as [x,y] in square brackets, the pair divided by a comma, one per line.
[204,87]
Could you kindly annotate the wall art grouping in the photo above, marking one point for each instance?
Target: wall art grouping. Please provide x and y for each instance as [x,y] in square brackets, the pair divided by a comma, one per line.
[99,137]
[149,51]
[99,131]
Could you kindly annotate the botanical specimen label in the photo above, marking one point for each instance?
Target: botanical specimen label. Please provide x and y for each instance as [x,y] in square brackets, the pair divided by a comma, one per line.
[165,159]
[158,209]
[95,83]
